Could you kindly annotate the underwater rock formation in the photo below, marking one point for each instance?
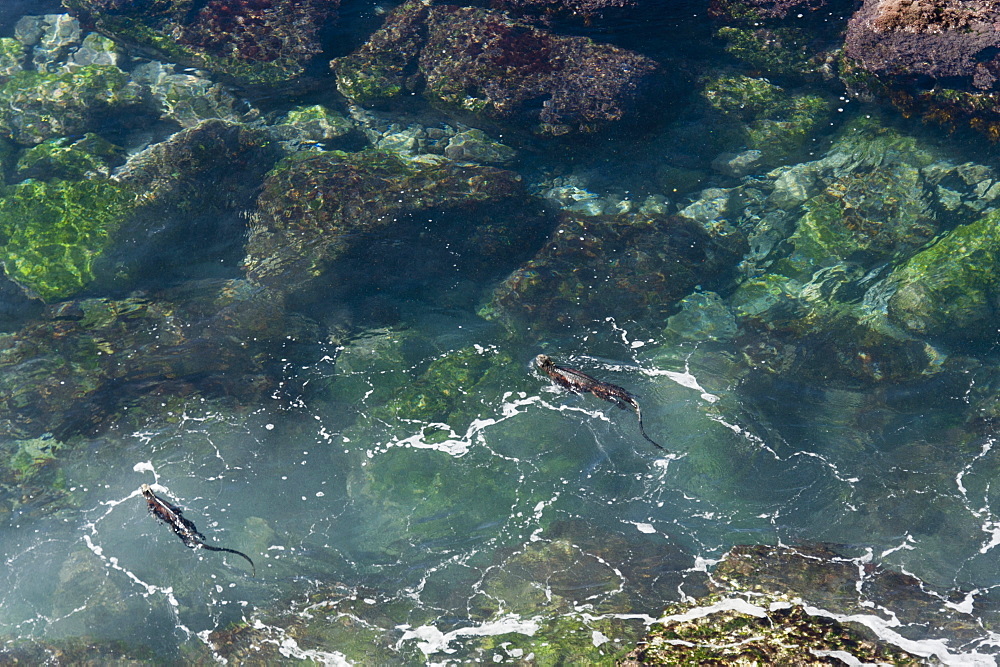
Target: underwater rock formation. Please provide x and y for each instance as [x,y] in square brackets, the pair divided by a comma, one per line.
[39,105]
[317,207]
[642,264]
[79,226]
[585,8]
[248,42]
[798,38]
[475,62]
[824,238]
[952,289]
[73,369]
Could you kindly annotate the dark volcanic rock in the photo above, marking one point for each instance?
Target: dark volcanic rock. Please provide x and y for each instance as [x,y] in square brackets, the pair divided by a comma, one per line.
[483,63]
[250,42]
[917,40]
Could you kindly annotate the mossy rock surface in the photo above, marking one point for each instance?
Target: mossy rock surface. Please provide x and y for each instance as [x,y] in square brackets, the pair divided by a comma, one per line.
[51,234]
[952,289]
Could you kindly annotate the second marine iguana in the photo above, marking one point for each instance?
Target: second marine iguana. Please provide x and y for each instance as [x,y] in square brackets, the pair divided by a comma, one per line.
[173,516]
[578,382]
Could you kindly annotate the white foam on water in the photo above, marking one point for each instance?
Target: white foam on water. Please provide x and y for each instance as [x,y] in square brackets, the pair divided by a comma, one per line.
[430,640]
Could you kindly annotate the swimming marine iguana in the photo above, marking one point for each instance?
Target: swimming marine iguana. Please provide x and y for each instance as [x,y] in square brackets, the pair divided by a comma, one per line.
[173,516]
[580,383]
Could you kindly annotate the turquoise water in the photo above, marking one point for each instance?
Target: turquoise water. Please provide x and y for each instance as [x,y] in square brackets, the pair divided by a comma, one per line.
[412,490]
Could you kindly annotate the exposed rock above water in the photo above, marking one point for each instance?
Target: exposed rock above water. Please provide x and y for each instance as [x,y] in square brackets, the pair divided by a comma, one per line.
[800,605]
[932,39]
[474,62]
[933,58]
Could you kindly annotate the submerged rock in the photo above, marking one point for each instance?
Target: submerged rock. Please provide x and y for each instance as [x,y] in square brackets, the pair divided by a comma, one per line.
[73,370]
[69,159]
[952,289]
[81,226]
[825,235]
[317,208]
[764,118]
[483,63]
[642,264]
[249,42]
[796,38]
[39,105]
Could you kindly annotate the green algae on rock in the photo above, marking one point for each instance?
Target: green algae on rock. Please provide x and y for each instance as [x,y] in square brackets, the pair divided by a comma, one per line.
[51,234]
[952,289]
[12,55]
[765,116]
[316,207]
[39,106]
[69,159]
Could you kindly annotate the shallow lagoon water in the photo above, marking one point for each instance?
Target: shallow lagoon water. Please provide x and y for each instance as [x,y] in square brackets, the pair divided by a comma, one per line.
[415,539]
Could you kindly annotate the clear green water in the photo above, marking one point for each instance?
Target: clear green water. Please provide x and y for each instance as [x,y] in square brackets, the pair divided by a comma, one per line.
[411,538]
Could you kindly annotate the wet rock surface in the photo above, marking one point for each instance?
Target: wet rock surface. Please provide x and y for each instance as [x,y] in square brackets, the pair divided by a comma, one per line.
[800,605]
[936,39]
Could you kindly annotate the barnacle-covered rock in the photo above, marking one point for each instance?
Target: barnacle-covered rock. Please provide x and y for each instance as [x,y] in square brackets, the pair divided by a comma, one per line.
[315,208]
[478,62]
[37,105]
[249,42]
[643,264]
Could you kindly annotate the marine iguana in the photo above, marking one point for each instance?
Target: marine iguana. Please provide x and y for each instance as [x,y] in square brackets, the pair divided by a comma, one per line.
[579,382]
[173,516]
